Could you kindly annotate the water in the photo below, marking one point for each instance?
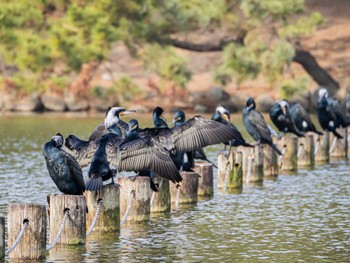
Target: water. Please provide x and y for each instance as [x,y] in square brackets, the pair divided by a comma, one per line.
[296,218]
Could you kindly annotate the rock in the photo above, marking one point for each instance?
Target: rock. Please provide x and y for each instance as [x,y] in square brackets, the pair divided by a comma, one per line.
[218,94]
[53,101]
[264,102]
[29,103]
[200,108]
[75,103]
[237,102]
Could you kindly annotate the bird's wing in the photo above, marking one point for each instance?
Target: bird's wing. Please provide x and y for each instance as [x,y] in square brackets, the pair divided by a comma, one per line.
[98,132]
[258,122]
[147,154]
[85,156]
[197,133]
[75,170]
[284,119]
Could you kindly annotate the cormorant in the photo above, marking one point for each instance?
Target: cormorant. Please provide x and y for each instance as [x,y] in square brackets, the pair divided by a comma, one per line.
[302,119]
[179,119]
[256,125]
[222,115]
[112,123]
[158,118]
[281,117]
[63,168]
[110,149]
[329,113]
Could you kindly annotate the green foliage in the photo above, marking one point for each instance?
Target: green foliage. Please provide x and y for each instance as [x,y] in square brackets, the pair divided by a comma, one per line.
[166,63]
[125,89]
[288,88]
[27,83]
[38,35]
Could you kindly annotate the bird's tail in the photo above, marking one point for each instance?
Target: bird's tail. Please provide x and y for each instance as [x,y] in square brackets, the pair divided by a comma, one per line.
[299,133]
[337,134]
[94,183]
[247,145]
[276,149]
[318,132]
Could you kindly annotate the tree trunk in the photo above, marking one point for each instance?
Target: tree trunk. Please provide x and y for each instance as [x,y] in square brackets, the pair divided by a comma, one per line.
[321,76]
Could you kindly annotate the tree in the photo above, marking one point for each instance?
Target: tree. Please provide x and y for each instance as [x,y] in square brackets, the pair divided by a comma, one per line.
[255,37]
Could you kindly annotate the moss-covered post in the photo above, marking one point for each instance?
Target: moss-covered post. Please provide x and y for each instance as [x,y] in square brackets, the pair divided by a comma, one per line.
[108,219]
[161,202]
[74,231]
[32,245]
[2,238]
[306,151]
[140,209]
[187,191]
[289,145]
[322,148]
[339,148]
[230,174]
[270,162]
[206,179]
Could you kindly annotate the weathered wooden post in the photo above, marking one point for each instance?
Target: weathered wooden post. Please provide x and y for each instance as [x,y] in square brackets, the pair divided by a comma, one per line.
[74,231]
[289,145]
[140,205]
[205,180]
[306,151]
[187,192]
[270,162]
[322,148]
[230,174]
[338,147]
[161,202]
[32,245]
[2,237]
[107,199]
[253,163]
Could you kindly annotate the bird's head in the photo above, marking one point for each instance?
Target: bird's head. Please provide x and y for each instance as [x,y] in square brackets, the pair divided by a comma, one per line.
[159,112]
[58,140]
[250,104]
[133,125]
[283,104]
[224,113]
[322,94]
[179,117]
[114,114]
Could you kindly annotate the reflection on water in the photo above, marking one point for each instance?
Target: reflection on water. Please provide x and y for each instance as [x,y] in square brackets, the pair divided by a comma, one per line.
[295,218]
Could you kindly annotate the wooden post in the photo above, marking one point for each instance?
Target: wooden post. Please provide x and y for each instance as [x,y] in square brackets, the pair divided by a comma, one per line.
[2,238]
[205,180]
[33,242]
[340,148]
[74,231]
[322,148]
[288,161]
[230,174]
[306,151]
[253,164]
[161,203]
[270,162]
[188,189]
[140,208]
[108,219]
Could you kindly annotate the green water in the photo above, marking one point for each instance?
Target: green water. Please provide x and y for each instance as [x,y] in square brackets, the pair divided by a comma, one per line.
[304,217]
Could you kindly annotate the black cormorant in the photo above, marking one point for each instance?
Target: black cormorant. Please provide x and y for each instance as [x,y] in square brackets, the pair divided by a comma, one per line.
[179,119]
[222,115]
[159,120]
[282,119]
[256,125]
[110,149]
[112,123]
[63,168]
[302,119]
[329,113]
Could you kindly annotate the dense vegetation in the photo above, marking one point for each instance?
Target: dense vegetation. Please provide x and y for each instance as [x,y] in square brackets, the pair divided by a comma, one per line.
[46,41]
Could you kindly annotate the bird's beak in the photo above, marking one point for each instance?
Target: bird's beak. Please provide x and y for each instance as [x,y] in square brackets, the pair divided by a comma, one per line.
[284,110]
[173,121]
[127,112]
[163,118]
[134,127]
[225,117]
